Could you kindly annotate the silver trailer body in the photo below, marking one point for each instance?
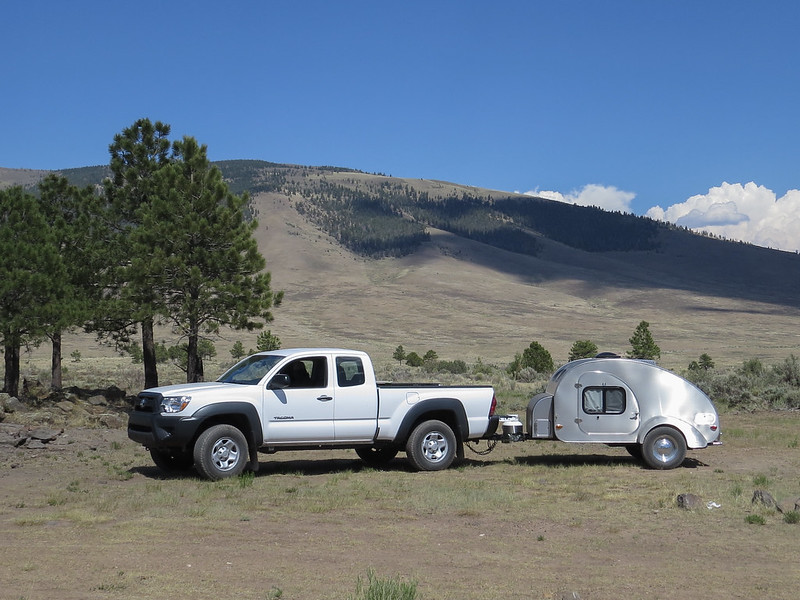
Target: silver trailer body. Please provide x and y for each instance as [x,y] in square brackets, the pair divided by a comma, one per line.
[653,412]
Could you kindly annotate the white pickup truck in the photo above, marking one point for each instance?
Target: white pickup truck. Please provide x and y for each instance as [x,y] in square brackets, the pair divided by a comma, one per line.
[307,398]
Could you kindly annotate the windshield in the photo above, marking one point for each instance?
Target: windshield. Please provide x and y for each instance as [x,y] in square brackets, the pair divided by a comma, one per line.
[251,370]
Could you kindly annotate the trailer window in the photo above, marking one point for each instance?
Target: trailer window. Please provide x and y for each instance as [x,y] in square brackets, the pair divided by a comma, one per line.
[604,400]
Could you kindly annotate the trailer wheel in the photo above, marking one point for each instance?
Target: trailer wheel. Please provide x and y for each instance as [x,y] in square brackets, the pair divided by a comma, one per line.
[431,446]
[220,452]
[663,448]
[376,457]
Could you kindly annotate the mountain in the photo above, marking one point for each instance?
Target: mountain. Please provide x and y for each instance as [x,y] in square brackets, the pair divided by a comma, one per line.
[373,261]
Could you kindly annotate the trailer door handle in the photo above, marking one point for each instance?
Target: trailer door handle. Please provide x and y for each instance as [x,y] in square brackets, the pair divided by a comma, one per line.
[324,398]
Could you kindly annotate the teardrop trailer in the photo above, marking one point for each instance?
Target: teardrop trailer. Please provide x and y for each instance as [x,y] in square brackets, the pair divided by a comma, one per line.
[653,413]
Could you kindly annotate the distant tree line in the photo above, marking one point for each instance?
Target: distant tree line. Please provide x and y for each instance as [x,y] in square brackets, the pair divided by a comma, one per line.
[584,227]
[430,362]
[367,225]
[391,218]
[163,240]
[536,359]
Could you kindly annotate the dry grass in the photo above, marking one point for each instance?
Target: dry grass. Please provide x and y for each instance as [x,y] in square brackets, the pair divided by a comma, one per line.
[531,520]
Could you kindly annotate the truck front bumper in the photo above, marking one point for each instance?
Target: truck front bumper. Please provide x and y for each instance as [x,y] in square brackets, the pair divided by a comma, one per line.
[155,430]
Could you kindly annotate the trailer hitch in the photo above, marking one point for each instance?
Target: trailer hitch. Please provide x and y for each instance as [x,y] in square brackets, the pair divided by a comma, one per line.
[511,428]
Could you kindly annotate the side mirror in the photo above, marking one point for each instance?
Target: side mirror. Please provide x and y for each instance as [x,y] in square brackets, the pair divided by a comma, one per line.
[279,382]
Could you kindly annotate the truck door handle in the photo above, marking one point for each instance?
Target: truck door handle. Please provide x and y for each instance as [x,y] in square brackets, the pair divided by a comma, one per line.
[324,398]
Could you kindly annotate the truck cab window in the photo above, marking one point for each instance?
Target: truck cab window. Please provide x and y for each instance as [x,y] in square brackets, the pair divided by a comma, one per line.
[349,371]
[307,373]
[604,400]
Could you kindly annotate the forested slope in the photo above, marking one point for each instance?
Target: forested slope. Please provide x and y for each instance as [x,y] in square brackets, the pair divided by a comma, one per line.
[374,216]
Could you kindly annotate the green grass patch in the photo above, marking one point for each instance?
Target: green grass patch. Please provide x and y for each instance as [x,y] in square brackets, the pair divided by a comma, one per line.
[384,588]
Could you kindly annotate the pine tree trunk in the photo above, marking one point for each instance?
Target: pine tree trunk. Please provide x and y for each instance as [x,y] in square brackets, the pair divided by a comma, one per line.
[11,377]
[55,369]
[149,355]
[192,360]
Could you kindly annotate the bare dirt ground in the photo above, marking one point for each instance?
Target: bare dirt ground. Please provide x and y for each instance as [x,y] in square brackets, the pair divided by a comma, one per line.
[88,516]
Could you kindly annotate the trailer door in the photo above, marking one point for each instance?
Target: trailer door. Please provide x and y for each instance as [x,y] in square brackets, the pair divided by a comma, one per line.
[607,408]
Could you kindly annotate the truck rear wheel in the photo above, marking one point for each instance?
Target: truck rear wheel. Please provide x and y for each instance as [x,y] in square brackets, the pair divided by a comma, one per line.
[431,446]
[220,452]
[663,448]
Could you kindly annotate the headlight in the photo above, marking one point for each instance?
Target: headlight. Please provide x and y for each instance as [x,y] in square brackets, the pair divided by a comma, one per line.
[173,404]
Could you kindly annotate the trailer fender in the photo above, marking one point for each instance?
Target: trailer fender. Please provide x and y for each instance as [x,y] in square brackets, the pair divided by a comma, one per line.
[693,437]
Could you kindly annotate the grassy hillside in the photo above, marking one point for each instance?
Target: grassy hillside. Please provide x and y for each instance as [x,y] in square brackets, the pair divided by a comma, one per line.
[373,261]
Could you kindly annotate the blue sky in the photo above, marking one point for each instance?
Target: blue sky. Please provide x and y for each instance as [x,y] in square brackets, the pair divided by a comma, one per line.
[683,110]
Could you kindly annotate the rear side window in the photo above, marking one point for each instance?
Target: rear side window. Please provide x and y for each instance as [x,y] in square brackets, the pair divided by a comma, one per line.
[604,400]
[349,371]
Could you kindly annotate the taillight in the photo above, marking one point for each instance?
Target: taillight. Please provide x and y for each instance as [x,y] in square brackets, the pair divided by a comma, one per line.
[494,405]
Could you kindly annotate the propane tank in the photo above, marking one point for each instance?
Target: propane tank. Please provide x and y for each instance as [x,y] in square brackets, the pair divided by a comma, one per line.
[512,429]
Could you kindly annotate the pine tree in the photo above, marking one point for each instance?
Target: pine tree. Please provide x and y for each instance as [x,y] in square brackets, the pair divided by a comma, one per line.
[203,260]
[267,341]
[399,354]
[642,344]
[32,278]
[538,358]
[80,234]
[238,351]
[706,362]
[582,349]
[137,154]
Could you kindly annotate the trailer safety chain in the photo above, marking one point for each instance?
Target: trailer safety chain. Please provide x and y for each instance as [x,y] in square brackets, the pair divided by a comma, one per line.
[490,444]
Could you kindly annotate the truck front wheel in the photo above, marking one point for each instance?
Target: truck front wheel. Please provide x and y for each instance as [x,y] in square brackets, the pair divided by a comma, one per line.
[663,448]
[220,452]
[431,446]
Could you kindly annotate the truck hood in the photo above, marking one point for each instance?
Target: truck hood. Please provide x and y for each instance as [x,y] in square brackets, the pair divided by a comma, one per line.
[191,389]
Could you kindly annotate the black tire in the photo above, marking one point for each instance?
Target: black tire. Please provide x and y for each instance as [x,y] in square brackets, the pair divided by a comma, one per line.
[431,446]
[664,448]
[376,456]
[220,452]
[635,450]
[172,460]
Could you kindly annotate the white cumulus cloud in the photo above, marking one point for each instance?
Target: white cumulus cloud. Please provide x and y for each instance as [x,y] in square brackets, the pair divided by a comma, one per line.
[749,213]
[605,197]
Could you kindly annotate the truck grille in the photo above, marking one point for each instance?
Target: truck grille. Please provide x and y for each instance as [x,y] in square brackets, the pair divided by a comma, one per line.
[147,403]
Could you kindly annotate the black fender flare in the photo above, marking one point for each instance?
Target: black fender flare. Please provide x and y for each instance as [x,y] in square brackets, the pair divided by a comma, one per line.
[240,414]
[434,407]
